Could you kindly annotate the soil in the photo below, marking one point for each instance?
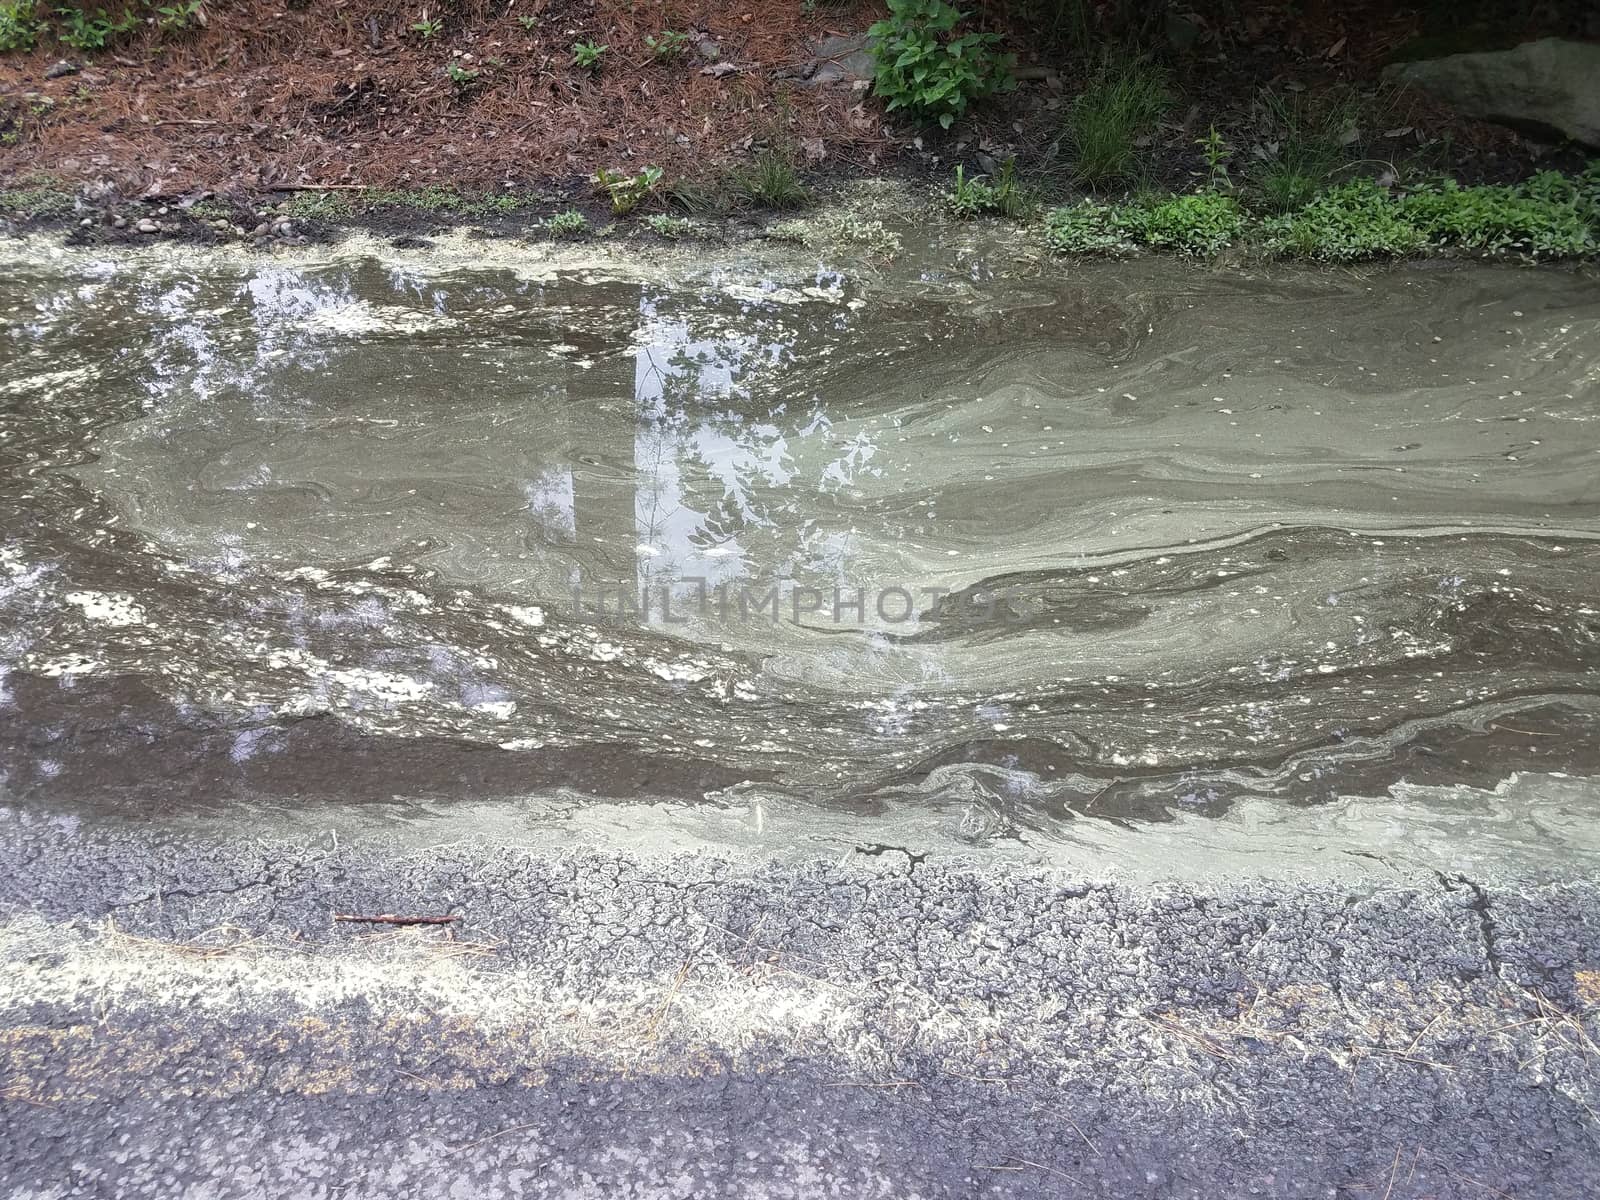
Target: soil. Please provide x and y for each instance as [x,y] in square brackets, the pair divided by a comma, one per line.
[268,97]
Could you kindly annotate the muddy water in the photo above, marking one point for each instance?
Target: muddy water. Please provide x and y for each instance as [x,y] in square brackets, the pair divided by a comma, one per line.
[985,548]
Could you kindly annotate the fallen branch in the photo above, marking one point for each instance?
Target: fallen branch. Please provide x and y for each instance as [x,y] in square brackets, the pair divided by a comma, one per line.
[395,919]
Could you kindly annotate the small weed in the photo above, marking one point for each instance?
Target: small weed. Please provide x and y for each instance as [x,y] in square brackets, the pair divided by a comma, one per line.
[464,78]
[1005,195]
[671,228]
[529,24]
[1119,106]
[571,223]
[180,16]
[627,192]
[969,197]
[20,25]
[924,67]
[427,28]
[671,45]
[1217,153]
[771,182]
[587,55]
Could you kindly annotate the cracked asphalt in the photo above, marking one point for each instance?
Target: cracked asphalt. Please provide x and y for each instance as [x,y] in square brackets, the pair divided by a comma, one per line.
[184,1017]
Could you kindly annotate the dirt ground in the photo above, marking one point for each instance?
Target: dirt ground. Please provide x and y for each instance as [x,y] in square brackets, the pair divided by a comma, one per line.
[269,96]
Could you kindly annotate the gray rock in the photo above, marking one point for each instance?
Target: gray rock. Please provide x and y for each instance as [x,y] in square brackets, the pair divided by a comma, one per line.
[843,59]
[1544,88]
[57,70]
[148,226]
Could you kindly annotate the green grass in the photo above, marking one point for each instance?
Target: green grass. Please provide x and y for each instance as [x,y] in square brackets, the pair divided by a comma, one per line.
[1303,146]
[1120,105]
[770,182]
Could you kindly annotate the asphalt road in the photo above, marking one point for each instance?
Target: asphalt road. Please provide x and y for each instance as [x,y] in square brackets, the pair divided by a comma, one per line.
[184,1017]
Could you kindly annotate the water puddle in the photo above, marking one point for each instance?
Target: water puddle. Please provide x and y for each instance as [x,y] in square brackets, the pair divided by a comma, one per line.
[985,551]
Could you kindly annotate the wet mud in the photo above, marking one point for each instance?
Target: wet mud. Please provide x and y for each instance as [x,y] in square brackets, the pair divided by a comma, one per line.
[979,545]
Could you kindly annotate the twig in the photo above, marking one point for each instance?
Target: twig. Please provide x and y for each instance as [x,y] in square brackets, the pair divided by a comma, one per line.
[319,187]
[495,1134]
[1026,1163]
[1393,1171]
[394,919]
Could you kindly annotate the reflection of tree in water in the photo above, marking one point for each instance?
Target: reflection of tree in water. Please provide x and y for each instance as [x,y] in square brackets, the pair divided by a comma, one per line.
[711,448]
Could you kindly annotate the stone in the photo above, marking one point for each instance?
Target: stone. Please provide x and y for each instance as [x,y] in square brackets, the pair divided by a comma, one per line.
[843,58]
[1548,89]
[57,70]
[146,225]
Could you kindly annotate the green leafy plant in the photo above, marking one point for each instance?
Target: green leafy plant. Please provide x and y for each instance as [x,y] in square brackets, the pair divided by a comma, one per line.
[1204,223]
[671,228]
[670,45]
[464,78]
[1120,105]
[1088,227]
[587,55]
[427,28]
[924,67]
[627,192]
[1354,220]
[571,223]
[1004,194]
[1549,216]
[969,197]
[529,24]
[1217,152]
[83,31]
[180,16]
[20,25]
[771,182]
